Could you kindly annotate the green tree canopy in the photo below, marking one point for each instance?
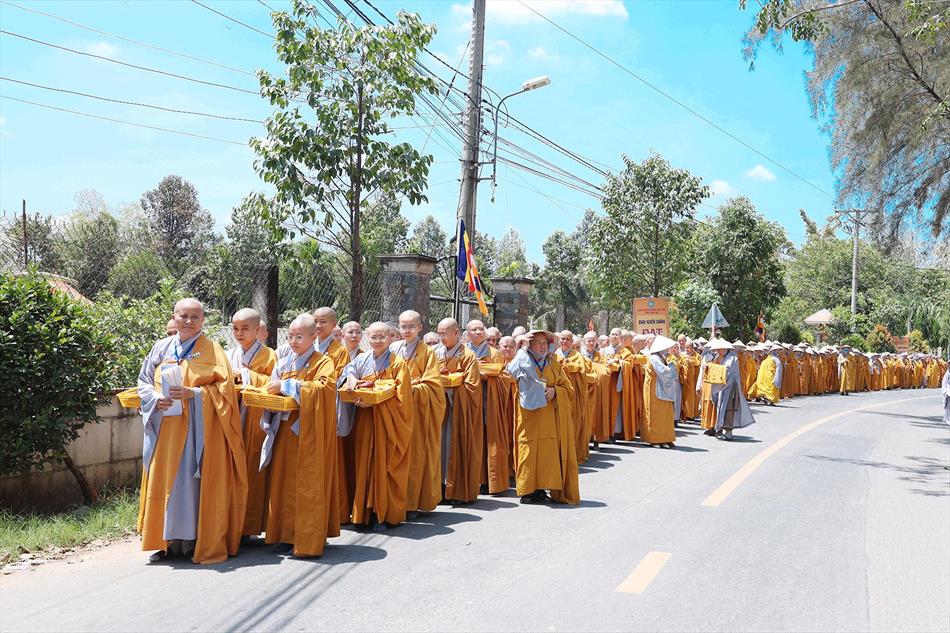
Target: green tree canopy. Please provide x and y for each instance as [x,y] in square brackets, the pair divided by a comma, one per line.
[327,148]
[641,248]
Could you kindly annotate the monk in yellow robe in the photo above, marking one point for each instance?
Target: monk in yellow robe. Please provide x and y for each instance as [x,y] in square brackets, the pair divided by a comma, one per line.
[194,475]
[659,394]
[709,390]
[768,380]
[381,432]
[508,348]
[546,453]
[428,409]
[497,413]
[576,367]
[252,363]
[300,446]
[689,372]
[462,427]
[598,395]
[845,370]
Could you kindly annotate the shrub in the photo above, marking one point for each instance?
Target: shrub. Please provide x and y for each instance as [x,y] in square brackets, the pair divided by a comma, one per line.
[879,339]
[855,341]
[133,325]
[917,343]
[54,359]
[787,333]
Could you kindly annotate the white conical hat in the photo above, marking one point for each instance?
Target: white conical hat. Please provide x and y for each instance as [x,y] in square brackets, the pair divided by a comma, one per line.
[738,344]
[661,344]
[720,343]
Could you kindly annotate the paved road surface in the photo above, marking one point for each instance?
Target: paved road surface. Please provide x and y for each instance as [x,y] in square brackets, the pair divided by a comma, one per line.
[842,527]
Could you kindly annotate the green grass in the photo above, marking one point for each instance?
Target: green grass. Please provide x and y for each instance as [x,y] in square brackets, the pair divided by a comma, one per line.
[114,516]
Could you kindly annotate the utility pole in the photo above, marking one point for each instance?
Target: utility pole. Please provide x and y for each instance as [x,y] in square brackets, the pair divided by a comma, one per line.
[473,132]
[26,241]
[855,216]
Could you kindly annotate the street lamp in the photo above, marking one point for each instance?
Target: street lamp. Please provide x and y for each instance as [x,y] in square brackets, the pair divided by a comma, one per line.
[528,86]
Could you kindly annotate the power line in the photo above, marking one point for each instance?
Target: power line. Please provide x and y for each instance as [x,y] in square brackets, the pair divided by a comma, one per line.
[129,40]
[145,68]
[269,36]
[132,103]
[142,125]
[674,99]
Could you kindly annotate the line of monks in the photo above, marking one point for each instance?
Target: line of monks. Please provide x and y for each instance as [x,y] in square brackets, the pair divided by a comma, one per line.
[439,418]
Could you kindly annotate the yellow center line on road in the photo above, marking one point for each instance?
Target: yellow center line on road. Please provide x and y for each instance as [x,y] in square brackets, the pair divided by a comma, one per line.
[641,577]
[719,494]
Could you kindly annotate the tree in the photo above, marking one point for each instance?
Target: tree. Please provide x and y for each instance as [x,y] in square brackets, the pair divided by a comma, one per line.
[739,255]
[90,248]
[326,164]
[428,238]
[54,359]
[640,248]
[878,85]
[182,229]
[691,302]
[384,230]
[37,241]
[512,260]
[138,275]
[560,286]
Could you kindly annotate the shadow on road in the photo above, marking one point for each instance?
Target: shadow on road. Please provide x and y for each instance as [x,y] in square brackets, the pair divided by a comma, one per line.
[584,503]
[926,471]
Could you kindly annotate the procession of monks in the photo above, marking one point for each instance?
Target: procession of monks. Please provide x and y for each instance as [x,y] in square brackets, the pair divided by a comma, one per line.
[386,423]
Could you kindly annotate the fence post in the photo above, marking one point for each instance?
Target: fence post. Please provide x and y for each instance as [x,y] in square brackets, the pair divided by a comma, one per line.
[511,302]
[406,282]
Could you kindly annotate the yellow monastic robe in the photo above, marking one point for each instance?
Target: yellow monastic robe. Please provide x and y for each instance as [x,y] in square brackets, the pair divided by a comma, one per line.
[222,503]
[546,454]
[576,368]
[303,507]
[748,369]
[790,376]
[598,398]
[463,472]
[765,380]
[658,414]
[689,374]
[381,436]
[260,369]
[708,411]
[428,409]
[345,449]
[846,375]
[498,428]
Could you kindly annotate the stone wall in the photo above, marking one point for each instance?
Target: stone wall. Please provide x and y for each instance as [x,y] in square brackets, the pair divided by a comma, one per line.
[109,452]
[511,302]
[406,282]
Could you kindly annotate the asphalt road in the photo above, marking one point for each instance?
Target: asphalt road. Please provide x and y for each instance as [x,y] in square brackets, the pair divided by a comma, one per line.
[819,518]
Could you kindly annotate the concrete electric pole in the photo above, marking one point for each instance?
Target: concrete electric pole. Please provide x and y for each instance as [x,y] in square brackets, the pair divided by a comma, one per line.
[855,215]
[470,149]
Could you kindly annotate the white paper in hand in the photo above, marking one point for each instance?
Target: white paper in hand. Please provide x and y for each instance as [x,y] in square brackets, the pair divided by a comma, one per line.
[171,377]
[245,376]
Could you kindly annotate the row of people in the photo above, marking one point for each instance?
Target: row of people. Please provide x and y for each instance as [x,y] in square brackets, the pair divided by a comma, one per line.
[523,410]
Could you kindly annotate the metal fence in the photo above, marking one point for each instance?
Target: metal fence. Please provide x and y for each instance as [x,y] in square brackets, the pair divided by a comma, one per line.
[101,253]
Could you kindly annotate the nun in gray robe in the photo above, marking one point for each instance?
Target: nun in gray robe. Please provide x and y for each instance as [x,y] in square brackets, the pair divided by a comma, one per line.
[732,410]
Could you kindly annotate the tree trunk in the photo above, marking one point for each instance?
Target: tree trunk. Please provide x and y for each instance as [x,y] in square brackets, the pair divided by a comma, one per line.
[89,492]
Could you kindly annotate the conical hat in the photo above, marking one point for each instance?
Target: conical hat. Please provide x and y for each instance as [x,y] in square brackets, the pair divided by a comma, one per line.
[720,343]
[661,344]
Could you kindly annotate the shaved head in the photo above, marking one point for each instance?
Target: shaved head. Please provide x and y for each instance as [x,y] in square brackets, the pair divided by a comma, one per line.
[249,315]
[189,304]
[411,316]
[448,332]
[449,323]
[327,313]
[305,322]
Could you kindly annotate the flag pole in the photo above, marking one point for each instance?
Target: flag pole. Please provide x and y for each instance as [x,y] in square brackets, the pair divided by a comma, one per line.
[455,275]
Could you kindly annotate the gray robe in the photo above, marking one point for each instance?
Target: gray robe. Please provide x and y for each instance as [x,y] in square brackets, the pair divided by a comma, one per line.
[270,420]
[732,410]
[946,396]
[360,367]
[181,509]
[442,352]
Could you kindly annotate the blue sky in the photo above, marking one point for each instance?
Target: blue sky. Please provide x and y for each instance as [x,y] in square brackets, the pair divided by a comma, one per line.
[689,49]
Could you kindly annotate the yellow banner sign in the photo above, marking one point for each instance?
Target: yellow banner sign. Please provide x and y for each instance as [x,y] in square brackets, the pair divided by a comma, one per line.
[651,315]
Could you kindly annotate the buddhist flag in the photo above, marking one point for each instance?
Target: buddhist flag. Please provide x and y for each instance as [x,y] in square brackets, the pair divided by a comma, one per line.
[466,270]
[591,327]
[760,328]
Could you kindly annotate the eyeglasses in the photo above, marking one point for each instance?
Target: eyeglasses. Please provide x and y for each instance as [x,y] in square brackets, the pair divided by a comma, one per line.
[378,338]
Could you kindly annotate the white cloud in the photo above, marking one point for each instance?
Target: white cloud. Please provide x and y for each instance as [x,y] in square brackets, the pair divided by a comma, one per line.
[761,173]
[105,49]
[721,188]
[511,11]
[495,52]
[539,52]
